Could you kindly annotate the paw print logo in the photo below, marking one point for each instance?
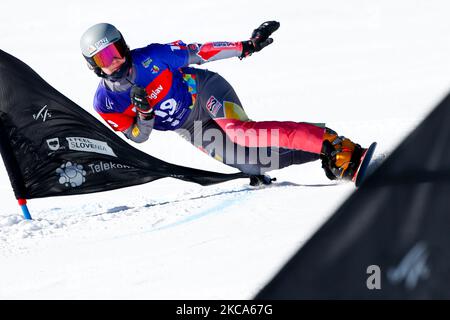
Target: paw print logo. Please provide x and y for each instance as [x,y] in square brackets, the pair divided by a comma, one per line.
[71,174]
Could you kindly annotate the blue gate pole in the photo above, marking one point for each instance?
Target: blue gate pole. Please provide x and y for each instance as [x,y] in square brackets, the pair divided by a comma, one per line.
[23,206]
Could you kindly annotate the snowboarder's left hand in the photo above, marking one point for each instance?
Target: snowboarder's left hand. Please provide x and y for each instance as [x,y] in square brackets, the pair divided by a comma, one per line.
[139,99]
[260,38]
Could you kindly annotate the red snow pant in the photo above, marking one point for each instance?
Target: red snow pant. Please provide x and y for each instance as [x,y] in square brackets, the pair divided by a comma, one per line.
[219,126]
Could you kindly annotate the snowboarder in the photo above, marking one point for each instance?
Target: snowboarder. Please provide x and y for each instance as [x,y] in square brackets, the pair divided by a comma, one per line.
[154,88]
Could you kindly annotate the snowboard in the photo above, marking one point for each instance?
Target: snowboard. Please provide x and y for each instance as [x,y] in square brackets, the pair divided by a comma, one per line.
[362,172]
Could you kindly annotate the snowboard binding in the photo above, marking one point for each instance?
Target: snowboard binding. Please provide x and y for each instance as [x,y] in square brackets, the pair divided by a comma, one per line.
[259,180]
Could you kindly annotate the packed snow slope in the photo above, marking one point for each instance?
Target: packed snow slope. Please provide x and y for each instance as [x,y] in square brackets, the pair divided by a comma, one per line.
[370,69]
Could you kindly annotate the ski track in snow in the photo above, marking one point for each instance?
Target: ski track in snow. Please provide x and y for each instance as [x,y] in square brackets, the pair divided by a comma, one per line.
[160,215]
[172,212]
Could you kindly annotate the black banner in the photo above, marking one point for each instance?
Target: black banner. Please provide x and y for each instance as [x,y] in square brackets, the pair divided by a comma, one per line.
[52,147]
[390,239]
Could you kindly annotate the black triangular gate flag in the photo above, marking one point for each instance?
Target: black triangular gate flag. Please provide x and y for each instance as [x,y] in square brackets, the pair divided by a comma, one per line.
[52,147]
[391,238]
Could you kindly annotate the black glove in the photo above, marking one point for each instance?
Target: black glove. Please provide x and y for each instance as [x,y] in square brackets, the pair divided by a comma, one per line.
[139,99]
[328,160]
[260,38]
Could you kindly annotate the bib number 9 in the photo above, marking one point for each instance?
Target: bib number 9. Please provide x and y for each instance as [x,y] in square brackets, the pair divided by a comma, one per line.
[166,110]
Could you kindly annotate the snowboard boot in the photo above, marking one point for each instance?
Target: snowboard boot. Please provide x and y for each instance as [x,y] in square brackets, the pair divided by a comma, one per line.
[340,156]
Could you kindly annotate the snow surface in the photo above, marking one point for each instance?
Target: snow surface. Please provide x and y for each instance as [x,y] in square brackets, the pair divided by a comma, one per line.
[370,69]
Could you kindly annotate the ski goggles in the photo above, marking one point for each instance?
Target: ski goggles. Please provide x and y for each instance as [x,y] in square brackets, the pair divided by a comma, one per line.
[106,56]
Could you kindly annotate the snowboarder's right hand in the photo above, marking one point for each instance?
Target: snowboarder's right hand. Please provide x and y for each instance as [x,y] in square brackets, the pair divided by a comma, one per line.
[260,38]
